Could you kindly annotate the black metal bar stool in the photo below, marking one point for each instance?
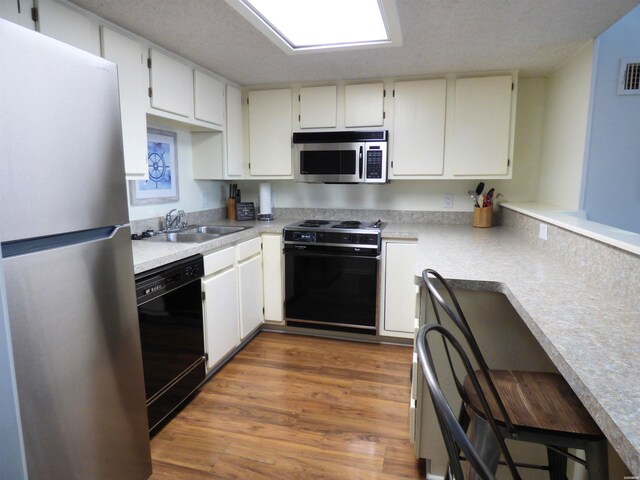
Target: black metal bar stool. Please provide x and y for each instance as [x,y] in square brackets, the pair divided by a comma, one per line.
[481,447]
[536,407]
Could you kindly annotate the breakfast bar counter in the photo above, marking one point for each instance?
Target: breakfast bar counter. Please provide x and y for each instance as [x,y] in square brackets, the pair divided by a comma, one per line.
[587,322]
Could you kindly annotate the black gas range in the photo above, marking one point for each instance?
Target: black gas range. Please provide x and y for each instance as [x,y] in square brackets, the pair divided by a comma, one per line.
[331,274]
[349,236]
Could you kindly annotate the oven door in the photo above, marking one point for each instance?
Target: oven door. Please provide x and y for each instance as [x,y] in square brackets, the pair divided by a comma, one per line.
[334,291]
[172,336]
[330,162]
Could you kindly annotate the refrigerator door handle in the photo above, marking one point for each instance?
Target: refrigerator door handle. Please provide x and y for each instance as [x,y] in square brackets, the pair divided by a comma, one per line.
[39,244]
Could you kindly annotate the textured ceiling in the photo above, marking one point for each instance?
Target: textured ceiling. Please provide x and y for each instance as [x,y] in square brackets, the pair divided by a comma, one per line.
[439,36]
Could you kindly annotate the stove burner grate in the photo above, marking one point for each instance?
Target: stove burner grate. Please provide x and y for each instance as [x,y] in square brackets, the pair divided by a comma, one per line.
[348,224]
[313,223]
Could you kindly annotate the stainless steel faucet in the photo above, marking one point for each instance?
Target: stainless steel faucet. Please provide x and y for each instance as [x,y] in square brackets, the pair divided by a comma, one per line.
[174,222]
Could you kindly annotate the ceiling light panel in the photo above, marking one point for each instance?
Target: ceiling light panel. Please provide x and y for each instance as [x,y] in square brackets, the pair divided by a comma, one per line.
[307,25]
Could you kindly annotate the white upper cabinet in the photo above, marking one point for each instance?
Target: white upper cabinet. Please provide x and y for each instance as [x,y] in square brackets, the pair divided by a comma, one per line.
[270,150]
[364,105]
[235,159]
[18,11]
[482,126]
[208,98]
[419,112]
[130,57]
[62,23]
[318,107]
[171,84]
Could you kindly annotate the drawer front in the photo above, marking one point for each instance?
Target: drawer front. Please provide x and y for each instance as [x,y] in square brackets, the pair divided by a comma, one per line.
[216,261]
[249,248]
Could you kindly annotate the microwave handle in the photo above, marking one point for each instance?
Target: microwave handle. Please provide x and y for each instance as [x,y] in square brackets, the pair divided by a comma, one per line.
[361,162]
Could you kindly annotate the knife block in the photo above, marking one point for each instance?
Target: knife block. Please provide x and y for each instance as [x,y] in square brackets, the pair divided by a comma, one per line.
[231,209]
[482,217]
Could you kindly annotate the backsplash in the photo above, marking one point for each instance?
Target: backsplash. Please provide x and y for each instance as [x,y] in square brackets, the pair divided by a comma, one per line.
[616,270]
[389,216]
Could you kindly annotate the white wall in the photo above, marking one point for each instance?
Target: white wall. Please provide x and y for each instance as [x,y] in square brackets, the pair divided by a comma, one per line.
[612,182]
[419,195]
[565,126]
[192,192]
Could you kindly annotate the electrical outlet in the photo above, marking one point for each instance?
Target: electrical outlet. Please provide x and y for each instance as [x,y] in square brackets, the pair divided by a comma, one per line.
[447,200]
[543,231]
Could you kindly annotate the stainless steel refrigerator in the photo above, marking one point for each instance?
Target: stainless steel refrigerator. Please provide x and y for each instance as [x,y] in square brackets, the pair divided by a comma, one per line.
[71,335]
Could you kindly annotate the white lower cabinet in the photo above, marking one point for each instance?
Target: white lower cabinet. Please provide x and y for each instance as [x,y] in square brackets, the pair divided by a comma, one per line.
[398,290]
[220,288]
[273,275]
[249,257]
[233,300]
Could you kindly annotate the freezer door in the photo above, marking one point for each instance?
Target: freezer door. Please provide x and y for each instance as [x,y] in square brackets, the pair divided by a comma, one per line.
[78,362]
[60,138]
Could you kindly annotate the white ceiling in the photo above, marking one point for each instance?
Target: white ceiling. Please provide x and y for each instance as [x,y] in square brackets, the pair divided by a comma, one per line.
[439,36]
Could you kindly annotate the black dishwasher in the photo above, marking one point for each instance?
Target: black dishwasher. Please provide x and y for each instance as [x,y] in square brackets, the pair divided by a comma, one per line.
[172,335]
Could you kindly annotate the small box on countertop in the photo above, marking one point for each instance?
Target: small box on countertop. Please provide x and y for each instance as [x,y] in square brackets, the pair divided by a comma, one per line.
[482,217]
[245,211]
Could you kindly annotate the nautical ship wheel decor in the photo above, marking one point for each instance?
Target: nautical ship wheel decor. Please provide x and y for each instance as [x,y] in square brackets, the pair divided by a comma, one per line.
[162,164]
[157,167]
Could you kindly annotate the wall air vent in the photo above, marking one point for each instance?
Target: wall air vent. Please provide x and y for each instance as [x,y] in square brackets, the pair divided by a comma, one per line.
[629,83]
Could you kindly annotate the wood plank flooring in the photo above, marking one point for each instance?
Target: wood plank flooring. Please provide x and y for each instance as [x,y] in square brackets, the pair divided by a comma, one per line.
[296,407]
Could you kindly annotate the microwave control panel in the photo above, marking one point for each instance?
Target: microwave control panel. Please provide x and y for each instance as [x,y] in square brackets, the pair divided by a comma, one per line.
[376,162]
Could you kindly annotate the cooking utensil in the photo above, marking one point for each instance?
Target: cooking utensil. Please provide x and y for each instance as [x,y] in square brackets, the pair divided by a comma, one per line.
[480,188]
[488,198]
[474,197]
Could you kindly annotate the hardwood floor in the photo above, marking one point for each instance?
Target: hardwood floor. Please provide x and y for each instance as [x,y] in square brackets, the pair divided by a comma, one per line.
[295,407]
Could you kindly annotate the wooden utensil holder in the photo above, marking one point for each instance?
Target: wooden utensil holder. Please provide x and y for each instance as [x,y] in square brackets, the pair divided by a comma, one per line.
[482,217]
[231,209]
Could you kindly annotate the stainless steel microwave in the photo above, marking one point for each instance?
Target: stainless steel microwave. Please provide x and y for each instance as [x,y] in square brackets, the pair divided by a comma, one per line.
[341,157]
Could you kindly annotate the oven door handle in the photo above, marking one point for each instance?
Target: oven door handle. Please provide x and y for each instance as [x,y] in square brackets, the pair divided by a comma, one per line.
[360,163]
[308,253]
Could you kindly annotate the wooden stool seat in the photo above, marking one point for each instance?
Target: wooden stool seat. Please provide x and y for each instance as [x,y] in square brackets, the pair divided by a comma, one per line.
[535,400]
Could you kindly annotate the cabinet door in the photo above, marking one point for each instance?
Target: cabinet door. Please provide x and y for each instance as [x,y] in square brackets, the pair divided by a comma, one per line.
[250,287]
[399,289]
[18,11]
[364,105]
[222,332]
[235,165]
[482,126]
[273,270]
[62,23]
[171,85]
[270,132]
[318,107]
[208,98]
[132,81]
[419,120]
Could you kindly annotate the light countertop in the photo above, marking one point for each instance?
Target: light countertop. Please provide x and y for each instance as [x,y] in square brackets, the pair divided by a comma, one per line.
[591,335]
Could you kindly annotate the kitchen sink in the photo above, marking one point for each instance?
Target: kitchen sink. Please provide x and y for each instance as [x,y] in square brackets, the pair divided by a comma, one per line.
[196,234]
[183,237]
[218,229]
